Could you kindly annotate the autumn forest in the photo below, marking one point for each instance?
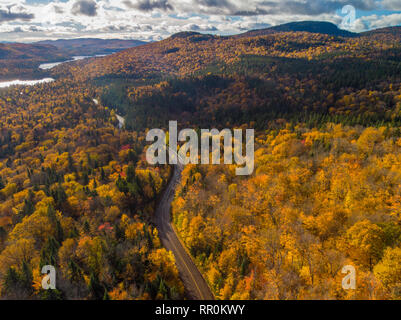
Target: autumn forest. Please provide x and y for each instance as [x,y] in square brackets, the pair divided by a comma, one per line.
[77,193]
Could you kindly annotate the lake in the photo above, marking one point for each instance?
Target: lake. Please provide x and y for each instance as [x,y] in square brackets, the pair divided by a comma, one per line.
[48,66]
[44,66]
[5,84]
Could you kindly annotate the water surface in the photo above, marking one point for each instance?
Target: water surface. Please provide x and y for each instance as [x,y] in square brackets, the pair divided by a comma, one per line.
[48,66]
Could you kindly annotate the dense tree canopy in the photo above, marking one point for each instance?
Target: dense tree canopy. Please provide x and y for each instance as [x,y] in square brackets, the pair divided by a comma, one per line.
[76,191]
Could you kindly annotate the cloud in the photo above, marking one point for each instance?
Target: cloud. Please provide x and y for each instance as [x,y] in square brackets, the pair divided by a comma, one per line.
[58,9]
[33,29]
[84,7]
[250,13]
[376,22]
[252,8]
[310,7]
[216,3]
[7,15]
[149,5]
[157,19]
[392,4]
[196,27]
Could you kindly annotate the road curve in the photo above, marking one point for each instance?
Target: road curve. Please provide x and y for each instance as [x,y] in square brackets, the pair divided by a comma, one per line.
[195,285]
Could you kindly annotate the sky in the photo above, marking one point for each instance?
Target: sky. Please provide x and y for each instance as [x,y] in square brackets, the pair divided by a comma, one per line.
[152,20]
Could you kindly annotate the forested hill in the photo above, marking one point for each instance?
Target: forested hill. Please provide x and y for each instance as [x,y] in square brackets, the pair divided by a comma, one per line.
[258,78]
[394,32]
[189,52]
[92,46]
[20,60]
[303,26]
[15,51]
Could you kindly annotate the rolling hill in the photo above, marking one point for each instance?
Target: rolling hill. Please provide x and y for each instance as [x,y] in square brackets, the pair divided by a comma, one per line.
[388,34]
[92,46]
[187,53]
[21,61]
[303,26]
[22,51]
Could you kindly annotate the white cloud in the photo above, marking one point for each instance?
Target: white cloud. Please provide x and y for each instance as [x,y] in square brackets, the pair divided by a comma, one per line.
[392,4]
[376,22]
[155,19]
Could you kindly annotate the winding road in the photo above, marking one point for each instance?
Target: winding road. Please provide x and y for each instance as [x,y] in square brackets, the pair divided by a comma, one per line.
[195,285]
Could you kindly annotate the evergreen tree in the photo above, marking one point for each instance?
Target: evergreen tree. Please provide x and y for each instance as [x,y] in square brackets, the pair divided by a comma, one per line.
[26,277]
[51,295]
[163,290]
[59,232]
[51,214]
[75,272]
[102,175]
[106,295]
[11,280]
[86,227]
[29,206]
[131,174]
[122,185]
[85,179]
[48,254]
[3,234]
[95,288]
[71,166]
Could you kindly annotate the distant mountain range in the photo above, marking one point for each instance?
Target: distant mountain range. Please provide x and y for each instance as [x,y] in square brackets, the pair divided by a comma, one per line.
[64,49]
[91,46]
[23,51]
[318,27]
[303,26]
[59,50]
[23,60]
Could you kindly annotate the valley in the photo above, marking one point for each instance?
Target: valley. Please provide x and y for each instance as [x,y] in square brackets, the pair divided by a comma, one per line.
[77,192]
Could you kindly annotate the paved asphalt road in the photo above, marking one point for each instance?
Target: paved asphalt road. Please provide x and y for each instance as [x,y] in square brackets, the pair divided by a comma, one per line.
[195,285]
